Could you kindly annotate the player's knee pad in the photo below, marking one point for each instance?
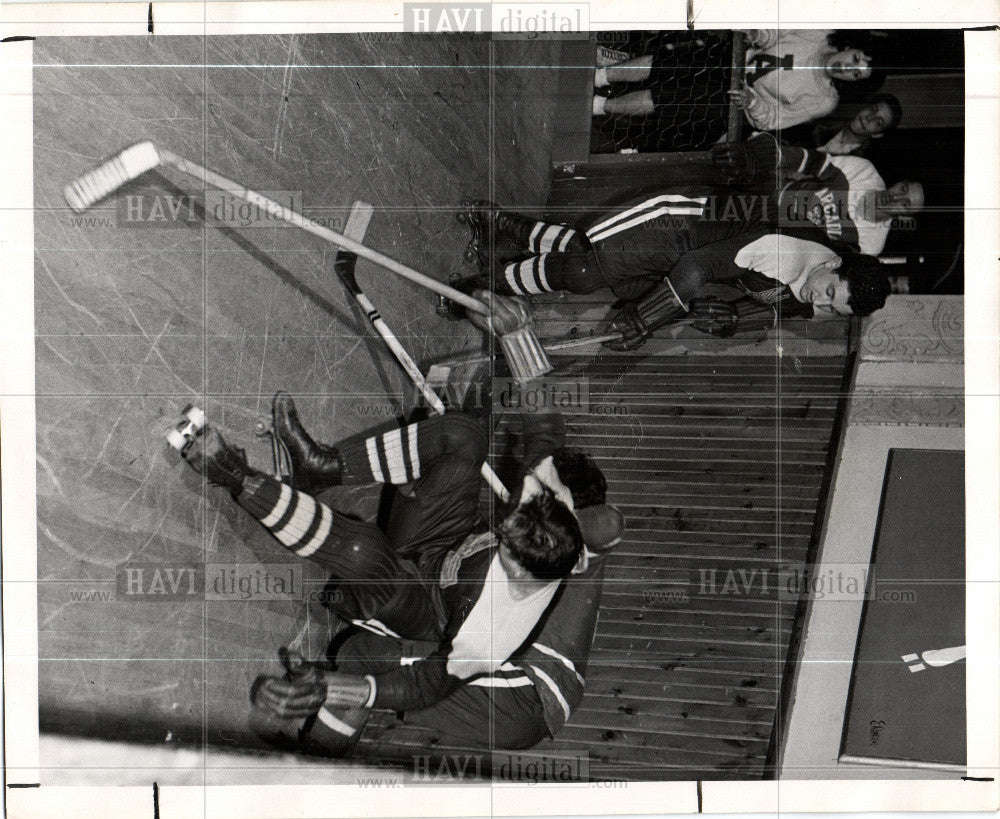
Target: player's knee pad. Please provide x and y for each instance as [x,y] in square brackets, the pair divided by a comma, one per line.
[464,436]
[357,551]
[576,271]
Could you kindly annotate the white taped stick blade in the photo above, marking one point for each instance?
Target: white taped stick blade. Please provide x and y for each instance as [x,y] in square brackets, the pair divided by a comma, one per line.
[109,176]
[525,355]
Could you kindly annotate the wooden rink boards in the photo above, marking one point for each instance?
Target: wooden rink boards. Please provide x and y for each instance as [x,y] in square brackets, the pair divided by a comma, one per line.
[683,681]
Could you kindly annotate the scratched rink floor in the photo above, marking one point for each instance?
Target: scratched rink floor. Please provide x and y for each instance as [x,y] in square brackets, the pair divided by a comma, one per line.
[137,315]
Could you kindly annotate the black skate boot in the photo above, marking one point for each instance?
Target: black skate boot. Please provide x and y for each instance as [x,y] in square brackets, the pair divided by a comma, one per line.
[468,284]
[315,467]
[497,236]
[514,229]
[223,465]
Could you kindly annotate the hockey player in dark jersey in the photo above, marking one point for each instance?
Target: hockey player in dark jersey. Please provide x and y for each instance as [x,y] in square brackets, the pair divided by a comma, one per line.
[844,196]
[782,275]
[628,249]
[475,595]
[664,250]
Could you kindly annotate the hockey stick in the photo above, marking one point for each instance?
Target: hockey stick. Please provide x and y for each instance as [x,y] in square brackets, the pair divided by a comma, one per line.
[520,345]
[550,345]
[357,224]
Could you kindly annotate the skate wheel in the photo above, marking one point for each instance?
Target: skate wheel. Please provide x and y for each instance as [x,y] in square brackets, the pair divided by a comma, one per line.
[261,429]
[196,416]
[177,439]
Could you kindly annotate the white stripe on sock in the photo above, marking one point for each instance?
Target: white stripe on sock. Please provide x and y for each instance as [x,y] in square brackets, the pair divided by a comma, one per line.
[305,511]
[541,275]
[326,521]
[534,235]
[570,233]
[393,442]
[411,433]
[280,507]
[510,273]
[527,277]
[547,242]
[372,446]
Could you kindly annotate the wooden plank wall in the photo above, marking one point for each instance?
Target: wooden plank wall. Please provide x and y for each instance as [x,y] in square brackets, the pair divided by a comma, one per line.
[717,462]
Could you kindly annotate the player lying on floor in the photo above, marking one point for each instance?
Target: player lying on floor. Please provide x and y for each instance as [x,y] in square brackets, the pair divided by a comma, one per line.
[844,196]
[661,255]
[476,594]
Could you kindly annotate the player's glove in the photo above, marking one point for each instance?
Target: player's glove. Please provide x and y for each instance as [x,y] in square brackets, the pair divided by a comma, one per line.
[633,329]
[747,160]
[348,690]
[507,313]
[288,698]
[714,316]
[306,687]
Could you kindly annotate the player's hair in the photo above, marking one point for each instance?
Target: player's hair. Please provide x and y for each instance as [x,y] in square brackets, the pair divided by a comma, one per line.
[544,536]
[894,108]
[867,282]
[582,477]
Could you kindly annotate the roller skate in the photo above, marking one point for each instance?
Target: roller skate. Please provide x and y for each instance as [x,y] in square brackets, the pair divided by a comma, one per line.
[477,214]
[312,467]
[498,237]
[448,309]
[182,436]
[207,452]
[280,456]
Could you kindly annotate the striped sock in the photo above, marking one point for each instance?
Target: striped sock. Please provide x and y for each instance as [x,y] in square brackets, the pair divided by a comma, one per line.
[297,520]
[313,530]
[546,238]
[388,457]
[527,278]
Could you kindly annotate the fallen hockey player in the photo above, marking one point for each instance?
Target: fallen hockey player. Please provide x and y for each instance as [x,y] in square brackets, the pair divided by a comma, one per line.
[663,256]
[504,636]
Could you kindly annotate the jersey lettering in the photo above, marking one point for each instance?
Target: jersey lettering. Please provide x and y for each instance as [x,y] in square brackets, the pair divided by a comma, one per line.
[764,64]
